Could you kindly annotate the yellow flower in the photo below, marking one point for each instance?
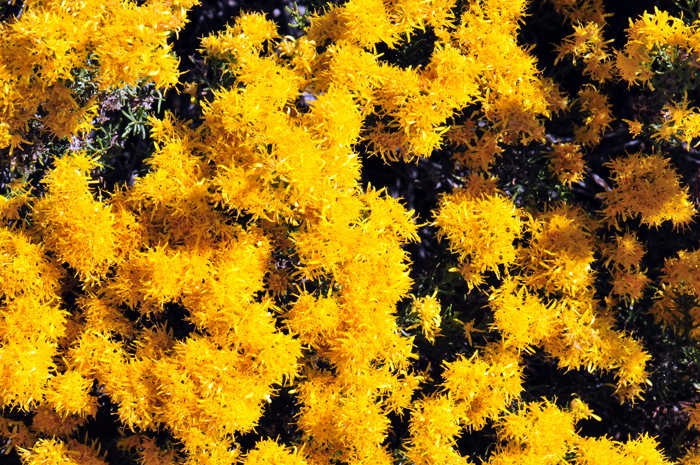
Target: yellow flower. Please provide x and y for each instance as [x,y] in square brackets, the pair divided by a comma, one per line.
[539,433]
[625,252]
[47,422]
[117,42]
[560,254]
[428,310]
[480,226]
[482,386]
[269,451]
[581,11]
[566,162]
[48,451]
[434,427]
[597,115]
[635,127]
[587,43]
[480,154]
[679,122]
[68,393]
[623,258]
[523,319]
[314,320]
[694,412]
[75,226]
[648,187]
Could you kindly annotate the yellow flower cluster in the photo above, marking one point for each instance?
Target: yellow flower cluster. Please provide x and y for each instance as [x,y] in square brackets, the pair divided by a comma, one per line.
[652,38]
[32,321]
[476,389]
[647,187]
[679,122]
[548,301]
[649,35]
[598,115]
[623,259]
[428,310]
[677,305]
[587,44]
[169,241]
[581,11]
[273,172]
[567,163]
[413,105]
[116,41]
[481,226]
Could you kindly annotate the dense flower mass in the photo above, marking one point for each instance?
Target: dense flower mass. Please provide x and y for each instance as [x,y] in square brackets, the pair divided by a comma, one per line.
[116,42]
[481,226]
[248,265]
[647,186]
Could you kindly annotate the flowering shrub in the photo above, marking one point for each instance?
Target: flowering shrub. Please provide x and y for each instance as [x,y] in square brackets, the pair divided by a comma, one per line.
[249,263]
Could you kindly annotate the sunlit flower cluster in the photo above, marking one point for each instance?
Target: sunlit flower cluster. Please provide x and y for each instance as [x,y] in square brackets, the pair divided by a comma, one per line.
[647,186]
[253,230]
[117,42]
